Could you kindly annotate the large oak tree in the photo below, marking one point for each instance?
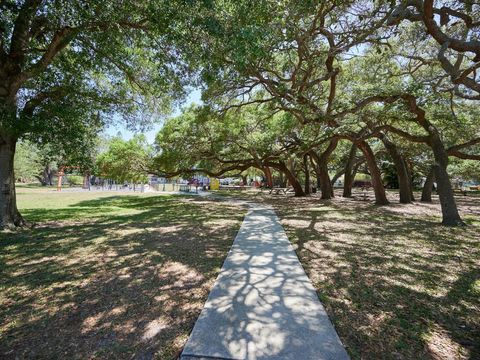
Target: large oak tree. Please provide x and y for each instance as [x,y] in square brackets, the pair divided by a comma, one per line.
[68,66]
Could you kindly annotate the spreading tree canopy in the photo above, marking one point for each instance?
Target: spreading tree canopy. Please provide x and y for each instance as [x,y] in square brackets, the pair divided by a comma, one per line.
[66,68]
[286,85]
[125,161]
[363,71]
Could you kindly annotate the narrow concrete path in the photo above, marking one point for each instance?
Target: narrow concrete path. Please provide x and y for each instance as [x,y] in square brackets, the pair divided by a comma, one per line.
[263,305]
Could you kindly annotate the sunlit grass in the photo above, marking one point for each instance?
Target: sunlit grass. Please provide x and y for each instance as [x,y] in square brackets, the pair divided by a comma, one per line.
[109,275]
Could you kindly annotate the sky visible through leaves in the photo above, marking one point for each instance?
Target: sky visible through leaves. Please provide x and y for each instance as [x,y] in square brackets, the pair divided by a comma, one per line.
[119,127]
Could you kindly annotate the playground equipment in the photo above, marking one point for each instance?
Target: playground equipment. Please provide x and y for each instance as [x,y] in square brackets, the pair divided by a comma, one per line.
[61,173]
[214,184]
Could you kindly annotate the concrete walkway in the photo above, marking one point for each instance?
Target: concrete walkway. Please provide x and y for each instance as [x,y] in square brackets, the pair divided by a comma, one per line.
[263,306]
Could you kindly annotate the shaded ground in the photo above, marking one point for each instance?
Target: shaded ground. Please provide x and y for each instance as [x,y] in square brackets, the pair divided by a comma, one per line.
[263,306]
[109,276]
[396,284]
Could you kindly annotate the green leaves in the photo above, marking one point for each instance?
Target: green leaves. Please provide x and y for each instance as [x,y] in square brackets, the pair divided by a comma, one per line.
[204,139]
[125,160]
[72,61]
[28,163]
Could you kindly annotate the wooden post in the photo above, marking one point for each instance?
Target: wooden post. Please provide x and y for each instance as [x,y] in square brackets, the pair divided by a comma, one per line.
[59,182]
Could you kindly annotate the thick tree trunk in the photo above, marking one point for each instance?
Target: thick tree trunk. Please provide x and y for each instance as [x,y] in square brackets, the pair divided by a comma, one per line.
[9,214]
[292,179]
[297,187]
[402,172]
[349,175]
[323,180]
[317,173]
[450,213]
[444,187]
[322,169]
[409,167]
[325,183]
[268,176]
[348,184]
[307,174]
[282,179]
[244,180]
[405,191]
[47,175]
[380,195]
[428,186]
[86,181]
[342,172]
[336,177]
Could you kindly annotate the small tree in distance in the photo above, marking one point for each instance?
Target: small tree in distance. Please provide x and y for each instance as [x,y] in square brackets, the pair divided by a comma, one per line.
[125,160]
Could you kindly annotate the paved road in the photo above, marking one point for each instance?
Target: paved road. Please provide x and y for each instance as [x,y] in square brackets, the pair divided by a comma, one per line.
[263,306]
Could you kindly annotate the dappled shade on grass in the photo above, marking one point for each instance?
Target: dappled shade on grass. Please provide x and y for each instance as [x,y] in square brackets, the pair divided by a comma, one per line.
[396,284]
[109,276]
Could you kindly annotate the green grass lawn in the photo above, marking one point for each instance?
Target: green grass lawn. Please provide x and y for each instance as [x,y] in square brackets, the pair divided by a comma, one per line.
[108,275]
[125,276]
